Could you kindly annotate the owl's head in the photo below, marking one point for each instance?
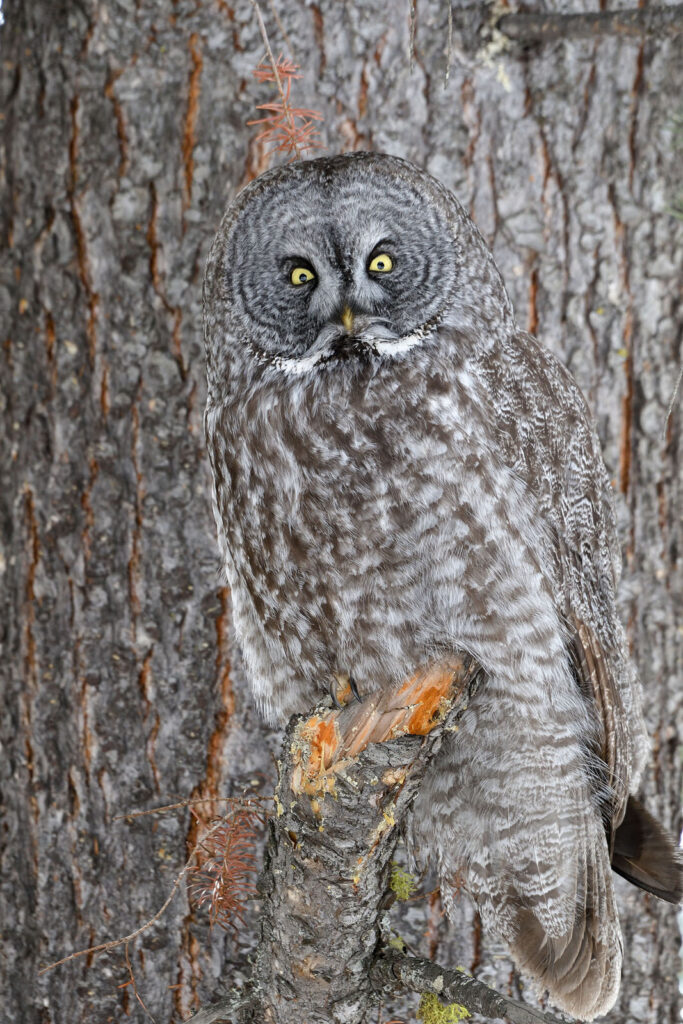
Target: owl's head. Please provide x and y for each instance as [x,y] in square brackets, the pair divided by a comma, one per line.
[342,260]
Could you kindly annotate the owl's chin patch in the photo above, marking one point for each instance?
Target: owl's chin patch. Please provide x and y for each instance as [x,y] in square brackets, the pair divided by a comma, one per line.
[349,347]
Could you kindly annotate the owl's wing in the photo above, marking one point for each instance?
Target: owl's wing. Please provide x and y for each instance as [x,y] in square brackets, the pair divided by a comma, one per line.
[545,433]
[540,870]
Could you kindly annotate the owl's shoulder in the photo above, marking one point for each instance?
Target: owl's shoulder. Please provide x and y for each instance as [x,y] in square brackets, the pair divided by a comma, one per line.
[544,428]
[529,378]
[542,420]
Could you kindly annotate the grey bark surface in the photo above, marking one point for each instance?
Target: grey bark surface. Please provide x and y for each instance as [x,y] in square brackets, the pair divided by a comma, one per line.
[123,135]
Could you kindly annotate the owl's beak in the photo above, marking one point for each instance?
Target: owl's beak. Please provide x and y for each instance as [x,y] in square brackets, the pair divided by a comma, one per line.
[347,319]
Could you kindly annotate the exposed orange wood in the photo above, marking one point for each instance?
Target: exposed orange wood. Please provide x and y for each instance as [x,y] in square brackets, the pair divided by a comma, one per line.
[325,743]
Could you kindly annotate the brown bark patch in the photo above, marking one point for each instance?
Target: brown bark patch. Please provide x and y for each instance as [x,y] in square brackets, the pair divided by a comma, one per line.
[120,122]
[92,298]
[190,131]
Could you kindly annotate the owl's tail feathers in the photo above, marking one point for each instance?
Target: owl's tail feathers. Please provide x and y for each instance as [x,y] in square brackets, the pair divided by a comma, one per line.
[578,959]
[576,956]
[646,855]
[582,968]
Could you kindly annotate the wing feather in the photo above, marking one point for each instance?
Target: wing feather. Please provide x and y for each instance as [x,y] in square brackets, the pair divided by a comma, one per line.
[545,432]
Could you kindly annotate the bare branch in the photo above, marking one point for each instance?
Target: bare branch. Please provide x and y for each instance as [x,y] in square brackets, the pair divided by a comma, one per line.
[347,780]
[412,24]
[129,965]
[548,28]
[392,968]
[279,24]
[669,412]
[247,801]
[449,46]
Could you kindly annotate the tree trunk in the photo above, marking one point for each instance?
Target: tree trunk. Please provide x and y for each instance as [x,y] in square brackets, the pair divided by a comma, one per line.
[123,136]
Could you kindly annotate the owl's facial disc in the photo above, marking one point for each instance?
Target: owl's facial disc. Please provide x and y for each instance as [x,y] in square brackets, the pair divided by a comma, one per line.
[326,270]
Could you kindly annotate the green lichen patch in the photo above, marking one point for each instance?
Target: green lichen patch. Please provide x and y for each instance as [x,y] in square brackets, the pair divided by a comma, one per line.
[432,1011]
[402,883]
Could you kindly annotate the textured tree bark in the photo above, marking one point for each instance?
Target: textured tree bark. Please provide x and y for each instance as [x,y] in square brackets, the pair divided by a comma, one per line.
[123,136]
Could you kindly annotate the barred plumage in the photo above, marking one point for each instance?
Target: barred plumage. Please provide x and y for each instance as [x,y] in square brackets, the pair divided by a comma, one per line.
[400,473]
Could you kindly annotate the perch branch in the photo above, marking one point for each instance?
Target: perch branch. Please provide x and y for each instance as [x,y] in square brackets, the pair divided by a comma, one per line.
[547,28]
[347,781]
[392,968]
[346,784]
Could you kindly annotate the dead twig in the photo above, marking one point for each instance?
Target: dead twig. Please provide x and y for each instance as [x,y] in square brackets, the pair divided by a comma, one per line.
[290,129]
[392,969]
[190,803]
[125,939]
[132,982]
[669,412]
[279,24]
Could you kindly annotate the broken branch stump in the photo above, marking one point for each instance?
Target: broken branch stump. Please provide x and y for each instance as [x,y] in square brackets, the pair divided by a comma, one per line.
[347,780]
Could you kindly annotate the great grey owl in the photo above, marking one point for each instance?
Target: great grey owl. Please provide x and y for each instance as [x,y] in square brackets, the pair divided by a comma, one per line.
[400,472]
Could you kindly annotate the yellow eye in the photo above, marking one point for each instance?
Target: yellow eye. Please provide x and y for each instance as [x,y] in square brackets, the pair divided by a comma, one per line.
[381,264]
[301,275]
